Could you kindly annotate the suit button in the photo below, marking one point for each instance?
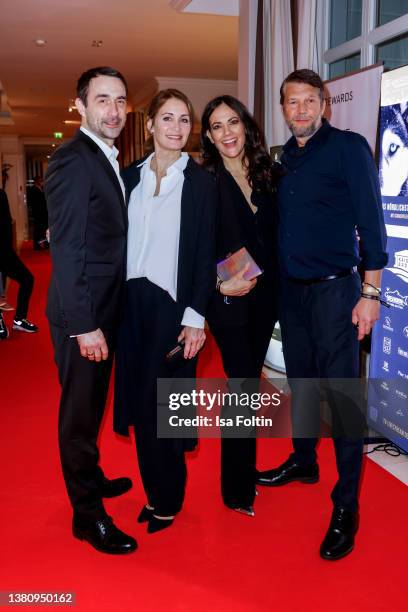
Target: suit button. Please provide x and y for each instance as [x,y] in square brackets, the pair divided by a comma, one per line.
[291,191]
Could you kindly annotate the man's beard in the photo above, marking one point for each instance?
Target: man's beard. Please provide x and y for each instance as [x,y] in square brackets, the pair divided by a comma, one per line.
[304,132]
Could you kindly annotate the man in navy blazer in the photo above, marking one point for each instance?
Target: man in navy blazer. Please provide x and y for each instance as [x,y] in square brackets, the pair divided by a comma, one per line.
[88,223]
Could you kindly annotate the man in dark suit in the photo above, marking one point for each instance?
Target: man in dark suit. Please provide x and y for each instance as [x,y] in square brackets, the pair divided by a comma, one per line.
[38,206]
[88,224]
[12,266]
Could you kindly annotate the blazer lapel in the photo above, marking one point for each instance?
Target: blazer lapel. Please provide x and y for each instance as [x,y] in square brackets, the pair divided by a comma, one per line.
[107,166]
[131,177]
[187,222]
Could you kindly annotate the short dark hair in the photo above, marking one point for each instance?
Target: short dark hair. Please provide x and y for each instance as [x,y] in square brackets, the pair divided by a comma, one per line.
[86,77]
[303,76]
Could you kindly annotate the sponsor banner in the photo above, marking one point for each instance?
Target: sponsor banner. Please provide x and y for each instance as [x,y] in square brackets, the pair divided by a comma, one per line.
[346,98]
[388,405]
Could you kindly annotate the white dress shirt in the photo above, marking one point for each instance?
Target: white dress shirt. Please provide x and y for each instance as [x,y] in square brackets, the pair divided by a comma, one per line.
[111,153]
[154,231]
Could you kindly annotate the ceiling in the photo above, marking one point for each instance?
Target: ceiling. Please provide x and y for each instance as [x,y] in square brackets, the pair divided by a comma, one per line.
[141,38]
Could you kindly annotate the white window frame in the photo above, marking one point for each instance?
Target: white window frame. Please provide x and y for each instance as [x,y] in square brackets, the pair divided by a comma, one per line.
[364,44]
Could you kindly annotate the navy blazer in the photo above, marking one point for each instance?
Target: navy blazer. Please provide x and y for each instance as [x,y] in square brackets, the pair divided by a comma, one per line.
[196,275]
[88,227]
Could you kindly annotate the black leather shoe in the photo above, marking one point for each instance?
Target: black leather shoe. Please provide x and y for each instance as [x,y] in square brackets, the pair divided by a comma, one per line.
[288,472]
[115,487]
[339,539]
[104,536]
[145,515]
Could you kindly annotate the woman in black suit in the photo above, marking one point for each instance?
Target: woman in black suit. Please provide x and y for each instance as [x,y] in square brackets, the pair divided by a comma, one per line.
[170,276]
[242,313]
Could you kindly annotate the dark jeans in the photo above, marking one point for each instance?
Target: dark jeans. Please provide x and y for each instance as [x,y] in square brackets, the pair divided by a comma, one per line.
[12,266]
[319,341]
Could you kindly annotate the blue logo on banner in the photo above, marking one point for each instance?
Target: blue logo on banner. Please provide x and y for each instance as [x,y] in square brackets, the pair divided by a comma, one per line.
[388,392]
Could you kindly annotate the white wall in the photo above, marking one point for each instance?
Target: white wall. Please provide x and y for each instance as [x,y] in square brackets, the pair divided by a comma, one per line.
[12,152]
[199,91]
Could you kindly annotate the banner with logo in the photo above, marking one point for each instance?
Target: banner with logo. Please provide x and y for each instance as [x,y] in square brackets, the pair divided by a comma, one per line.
[352,102]
[388,394]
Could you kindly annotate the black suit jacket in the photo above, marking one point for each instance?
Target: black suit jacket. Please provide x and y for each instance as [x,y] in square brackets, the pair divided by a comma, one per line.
[196,275]
[88,226]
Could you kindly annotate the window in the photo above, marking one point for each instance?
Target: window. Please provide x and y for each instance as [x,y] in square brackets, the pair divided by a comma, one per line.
[348,64]
[388,10]
[345,21]
[394,52]
[358,33]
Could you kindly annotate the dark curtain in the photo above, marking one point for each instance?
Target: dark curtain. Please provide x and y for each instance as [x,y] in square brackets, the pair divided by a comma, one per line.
[294,16]
[131,142]
[259,91]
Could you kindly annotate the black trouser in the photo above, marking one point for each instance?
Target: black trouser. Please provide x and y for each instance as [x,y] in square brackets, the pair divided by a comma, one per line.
[39,233]
[243,350]
[12,266]
[320,341]
[162,468]
[84,391]
[149,329]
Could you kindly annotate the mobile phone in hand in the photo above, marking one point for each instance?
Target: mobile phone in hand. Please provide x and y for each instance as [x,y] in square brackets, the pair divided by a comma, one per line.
[176,353]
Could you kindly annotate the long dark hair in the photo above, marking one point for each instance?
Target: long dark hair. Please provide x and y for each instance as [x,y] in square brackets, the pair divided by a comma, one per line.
[262,173]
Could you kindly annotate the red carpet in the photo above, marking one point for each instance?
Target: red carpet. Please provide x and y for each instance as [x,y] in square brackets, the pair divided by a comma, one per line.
[212,558]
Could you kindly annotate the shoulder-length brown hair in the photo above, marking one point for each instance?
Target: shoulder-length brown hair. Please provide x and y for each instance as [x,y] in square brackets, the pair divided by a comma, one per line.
[159,100]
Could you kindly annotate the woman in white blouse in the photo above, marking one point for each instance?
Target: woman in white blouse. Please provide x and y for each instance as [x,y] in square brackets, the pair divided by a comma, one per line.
[170,277]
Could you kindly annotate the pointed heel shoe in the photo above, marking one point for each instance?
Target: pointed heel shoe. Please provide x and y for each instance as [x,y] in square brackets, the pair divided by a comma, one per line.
[145,515]
[158,524]
[247,510]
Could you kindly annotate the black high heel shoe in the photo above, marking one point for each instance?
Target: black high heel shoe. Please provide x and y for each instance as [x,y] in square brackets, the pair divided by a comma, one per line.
[157,524]
[247,510]
[145,515]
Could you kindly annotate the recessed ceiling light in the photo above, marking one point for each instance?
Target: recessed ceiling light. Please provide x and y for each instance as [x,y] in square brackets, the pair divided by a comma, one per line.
[40,42]
[97,43]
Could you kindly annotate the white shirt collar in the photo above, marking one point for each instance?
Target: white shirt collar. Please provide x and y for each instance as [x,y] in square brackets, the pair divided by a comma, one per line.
[180,164]
[110,152]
